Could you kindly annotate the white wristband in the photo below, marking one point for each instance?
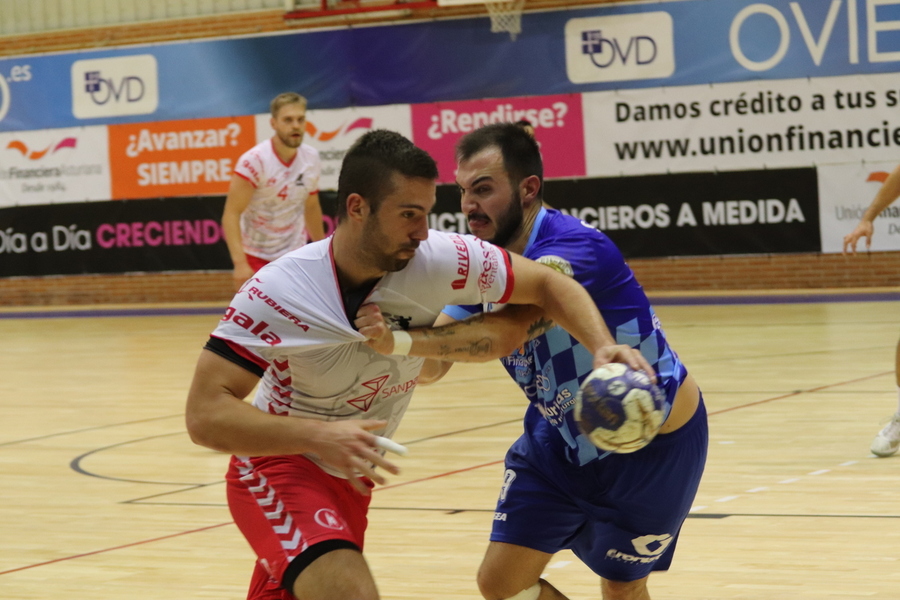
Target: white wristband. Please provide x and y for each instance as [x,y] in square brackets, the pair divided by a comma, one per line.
[402,342]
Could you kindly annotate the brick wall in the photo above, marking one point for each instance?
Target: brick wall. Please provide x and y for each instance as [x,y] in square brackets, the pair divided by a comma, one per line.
[761,272]
[137,288]
[720,273]
[143,33]
[707,274]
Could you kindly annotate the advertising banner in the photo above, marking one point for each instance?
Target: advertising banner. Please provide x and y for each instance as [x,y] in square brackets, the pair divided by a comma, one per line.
[181,234]
[751,125]
[177,158]
[683,214]
[54,165]
[679,128]
[692,214]
[845,192]
[620,46]
[557,122]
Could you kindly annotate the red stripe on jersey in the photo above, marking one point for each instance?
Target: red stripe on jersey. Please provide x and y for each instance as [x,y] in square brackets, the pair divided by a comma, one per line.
[243,352]
[275,152]
[242,176]
[510,278]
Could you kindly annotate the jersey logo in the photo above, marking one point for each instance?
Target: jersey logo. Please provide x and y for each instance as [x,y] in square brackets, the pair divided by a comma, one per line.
[258,328]
[490,266]
[462,262]
[557,263]
[365,401]
[299,180]
[249,166]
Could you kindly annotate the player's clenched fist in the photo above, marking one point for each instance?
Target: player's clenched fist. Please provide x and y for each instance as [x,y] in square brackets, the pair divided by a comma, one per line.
[370,322]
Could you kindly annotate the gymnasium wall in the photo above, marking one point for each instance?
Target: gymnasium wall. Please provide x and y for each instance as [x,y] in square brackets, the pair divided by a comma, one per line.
[739,219]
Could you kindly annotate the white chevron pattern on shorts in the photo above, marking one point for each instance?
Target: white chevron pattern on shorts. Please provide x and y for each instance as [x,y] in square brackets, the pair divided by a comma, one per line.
[283,526]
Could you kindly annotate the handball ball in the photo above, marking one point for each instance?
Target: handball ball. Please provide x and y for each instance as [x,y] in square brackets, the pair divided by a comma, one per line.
[619,409]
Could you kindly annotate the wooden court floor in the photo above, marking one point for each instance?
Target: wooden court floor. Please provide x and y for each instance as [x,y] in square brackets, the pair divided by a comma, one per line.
[104,497]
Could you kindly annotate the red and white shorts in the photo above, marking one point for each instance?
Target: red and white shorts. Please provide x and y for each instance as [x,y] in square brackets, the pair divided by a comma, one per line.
[285,504]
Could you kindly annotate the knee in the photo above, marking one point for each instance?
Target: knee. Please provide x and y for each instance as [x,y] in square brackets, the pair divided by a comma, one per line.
[625,590]
[489,586]
[493,589]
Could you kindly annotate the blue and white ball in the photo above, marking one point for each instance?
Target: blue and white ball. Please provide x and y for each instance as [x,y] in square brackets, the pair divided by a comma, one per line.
[619,409]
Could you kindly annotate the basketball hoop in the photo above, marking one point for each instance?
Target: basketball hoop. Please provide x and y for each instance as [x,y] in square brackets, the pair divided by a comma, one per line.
[506,15]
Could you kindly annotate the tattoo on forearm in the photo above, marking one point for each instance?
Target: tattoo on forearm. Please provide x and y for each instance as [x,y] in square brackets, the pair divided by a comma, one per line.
[453,328]
[480,347]
[539,327]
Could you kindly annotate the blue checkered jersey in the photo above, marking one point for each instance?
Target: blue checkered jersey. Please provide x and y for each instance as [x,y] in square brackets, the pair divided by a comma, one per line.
[550,368]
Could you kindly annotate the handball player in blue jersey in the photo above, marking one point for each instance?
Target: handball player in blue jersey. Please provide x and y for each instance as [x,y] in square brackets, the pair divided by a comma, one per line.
[621,514]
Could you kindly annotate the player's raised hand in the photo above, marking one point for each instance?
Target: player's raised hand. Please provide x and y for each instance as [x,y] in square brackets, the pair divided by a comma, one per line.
[621,353]
[863,229]
[350,447]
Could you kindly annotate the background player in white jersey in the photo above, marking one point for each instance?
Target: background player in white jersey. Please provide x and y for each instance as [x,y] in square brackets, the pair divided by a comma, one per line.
[621,514]
[273,199]
[305,450]
[887,442]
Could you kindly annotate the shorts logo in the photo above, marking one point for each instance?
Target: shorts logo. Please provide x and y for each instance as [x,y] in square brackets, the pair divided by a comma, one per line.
[652,545]
[326,517]
[508,479]
[648,548]
[265,565]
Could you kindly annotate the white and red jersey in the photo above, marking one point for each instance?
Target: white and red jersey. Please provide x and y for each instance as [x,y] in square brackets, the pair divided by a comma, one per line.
[273,223]
[290,319]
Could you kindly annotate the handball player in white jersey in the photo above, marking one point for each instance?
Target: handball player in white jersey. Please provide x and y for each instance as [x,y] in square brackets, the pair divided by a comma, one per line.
[272,205]
[305,454]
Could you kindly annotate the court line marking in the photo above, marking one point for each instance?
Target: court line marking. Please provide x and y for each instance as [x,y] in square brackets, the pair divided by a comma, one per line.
[103,550]
[439,475]
[94,428]
[449,511]
[784,481]
[75,463]
[798,392]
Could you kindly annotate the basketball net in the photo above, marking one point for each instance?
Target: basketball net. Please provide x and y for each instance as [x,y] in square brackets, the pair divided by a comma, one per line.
[506,15]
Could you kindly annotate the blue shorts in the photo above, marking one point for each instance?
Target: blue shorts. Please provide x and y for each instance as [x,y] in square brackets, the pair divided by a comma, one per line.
[620,515]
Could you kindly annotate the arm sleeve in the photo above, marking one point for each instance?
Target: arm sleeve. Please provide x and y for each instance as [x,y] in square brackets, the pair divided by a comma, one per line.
[250,168]
[480,271]
[236,354]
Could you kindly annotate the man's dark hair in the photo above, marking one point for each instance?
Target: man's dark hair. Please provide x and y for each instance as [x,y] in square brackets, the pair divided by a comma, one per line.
[371,162]
[521,155]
